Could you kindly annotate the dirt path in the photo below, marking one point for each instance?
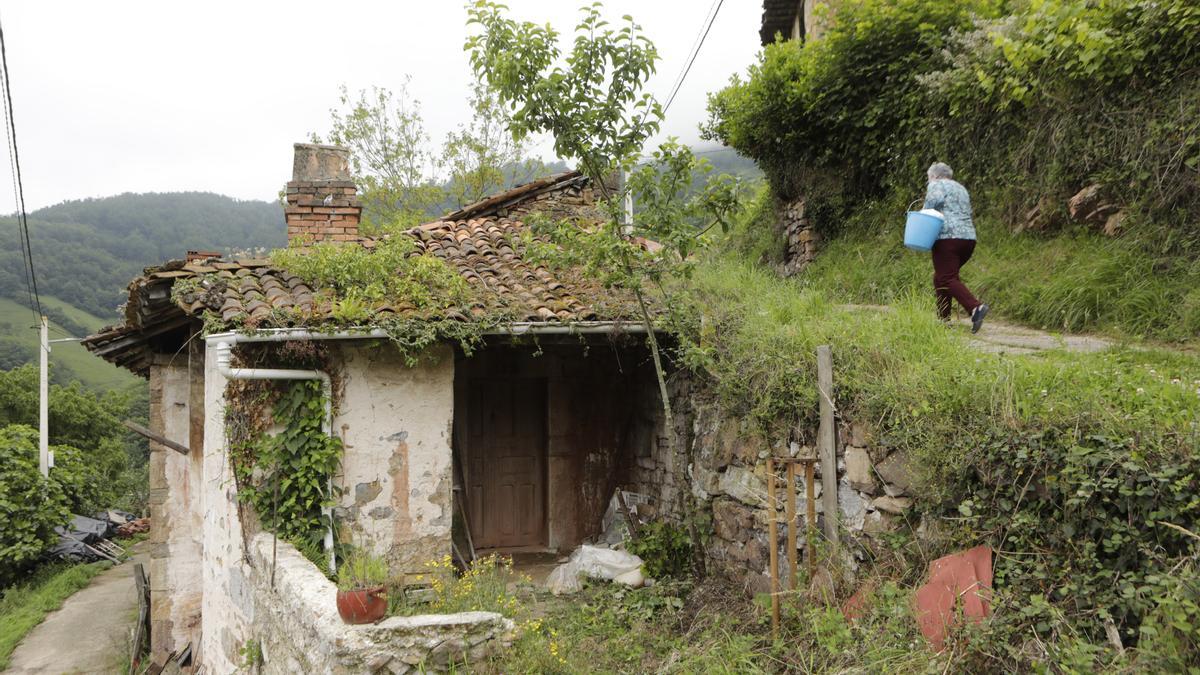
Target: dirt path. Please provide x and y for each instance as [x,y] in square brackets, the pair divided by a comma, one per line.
[86,634]
[1000,337]
[1005,338]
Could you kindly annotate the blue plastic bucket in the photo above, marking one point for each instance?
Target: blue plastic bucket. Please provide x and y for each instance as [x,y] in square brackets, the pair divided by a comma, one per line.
[921,230]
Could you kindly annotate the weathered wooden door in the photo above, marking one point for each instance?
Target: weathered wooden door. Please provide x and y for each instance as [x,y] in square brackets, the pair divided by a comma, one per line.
[507,466]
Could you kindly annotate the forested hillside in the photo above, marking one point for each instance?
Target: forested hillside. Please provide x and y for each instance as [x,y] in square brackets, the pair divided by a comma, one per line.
[86,251]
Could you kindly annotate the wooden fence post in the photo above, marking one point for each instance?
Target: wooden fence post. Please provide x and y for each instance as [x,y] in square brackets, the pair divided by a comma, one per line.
[827,442]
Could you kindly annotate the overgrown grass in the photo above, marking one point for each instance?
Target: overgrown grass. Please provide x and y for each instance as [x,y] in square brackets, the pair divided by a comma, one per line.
[902,370]
[1075,280]
[24,606]
[675,628]
[1108,439]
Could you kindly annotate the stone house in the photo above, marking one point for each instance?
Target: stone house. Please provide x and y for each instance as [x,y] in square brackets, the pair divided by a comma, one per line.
[522,442]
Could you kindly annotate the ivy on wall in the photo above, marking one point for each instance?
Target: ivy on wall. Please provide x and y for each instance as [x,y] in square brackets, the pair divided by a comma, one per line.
[285,476]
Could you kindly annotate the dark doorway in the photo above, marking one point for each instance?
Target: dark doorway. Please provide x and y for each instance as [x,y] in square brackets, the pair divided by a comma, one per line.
[506,473]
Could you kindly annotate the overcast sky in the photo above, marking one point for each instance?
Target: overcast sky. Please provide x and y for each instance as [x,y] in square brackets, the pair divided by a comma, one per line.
[154,96]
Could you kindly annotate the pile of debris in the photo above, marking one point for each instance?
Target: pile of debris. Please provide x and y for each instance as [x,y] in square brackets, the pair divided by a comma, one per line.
[607,559]
[90,539]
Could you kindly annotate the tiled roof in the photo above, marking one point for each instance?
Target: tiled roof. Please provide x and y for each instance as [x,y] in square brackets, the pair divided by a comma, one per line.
[486,250]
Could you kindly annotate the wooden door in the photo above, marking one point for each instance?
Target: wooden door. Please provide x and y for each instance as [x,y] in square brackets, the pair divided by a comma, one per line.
[507,466]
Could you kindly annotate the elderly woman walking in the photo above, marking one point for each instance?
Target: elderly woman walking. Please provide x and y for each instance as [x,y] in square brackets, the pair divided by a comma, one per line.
[954,246]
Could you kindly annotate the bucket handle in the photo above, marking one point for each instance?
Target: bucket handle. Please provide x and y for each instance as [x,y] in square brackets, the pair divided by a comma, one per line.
[913,202]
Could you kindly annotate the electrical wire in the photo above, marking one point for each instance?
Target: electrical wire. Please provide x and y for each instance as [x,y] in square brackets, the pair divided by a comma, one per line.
[692,60]
[14,157]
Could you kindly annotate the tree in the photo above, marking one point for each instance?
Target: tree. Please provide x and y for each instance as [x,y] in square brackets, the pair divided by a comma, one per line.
[31,506]
[590,101]
[389,155]
[483,157]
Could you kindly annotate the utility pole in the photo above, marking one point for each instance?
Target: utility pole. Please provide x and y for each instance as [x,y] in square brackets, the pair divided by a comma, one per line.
[45,459]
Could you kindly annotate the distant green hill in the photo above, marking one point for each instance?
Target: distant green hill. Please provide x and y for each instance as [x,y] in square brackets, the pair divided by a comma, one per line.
[86,252]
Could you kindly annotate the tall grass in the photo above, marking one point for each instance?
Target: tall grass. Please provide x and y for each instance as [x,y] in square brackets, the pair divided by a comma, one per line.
[921,382]
[24,606]
[1071,281]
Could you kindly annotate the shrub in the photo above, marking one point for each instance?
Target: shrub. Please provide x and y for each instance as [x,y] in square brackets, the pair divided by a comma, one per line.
[665,550]
[30,506]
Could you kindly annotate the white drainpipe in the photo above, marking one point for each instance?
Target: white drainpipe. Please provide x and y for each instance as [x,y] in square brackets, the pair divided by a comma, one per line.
[224,355]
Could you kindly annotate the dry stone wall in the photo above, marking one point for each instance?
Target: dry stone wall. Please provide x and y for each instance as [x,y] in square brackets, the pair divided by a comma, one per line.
[800,236]
[723,467]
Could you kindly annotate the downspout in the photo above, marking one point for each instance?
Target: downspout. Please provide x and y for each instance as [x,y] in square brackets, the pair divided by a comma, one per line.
[224,358]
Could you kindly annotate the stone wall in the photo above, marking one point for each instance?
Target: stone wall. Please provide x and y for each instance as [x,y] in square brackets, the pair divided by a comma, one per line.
[298,629]
[573,201]
[800,237]
[727,477]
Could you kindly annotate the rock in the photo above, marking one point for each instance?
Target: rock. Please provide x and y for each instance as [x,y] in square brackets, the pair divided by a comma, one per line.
[1085,202]
[859,472]
[1042,217]
[894,505]
[896,473]
[1091,206]
[852,506]
[878,522]
[731,520]
[1114,224]
[743,485]
[858,435]
[821,589]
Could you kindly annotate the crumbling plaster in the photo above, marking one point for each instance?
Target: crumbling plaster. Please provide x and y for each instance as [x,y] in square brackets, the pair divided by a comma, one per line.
[395,422]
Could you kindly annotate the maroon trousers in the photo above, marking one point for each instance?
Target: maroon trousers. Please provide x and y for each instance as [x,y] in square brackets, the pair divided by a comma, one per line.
[949,255]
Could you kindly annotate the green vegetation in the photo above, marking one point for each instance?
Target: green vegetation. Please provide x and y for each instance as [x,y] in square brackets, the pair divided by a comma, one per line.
[358,280]
[1029,101]
[98,464]
[360,570]
[23,607]
[665,550]
[68,360]
[286,476]
[1075,281]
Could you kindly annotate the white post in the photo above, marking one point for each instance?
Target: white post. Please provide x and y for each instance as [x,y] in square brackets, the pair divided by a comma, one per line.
[45,460]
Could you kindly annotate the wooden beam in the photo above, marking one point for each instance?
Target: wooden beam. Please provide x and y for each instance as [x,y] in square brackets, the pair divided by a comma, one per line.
[827,443]
[161,440]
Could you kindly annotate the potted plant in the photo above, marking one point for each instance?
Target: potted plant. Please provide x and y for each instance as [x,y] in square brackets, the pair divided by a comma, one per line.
[361,596]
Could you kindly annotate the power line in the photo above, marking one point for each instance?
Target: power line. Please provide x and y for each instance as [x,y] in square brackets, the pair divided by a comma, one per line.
[692,60]
[14,156]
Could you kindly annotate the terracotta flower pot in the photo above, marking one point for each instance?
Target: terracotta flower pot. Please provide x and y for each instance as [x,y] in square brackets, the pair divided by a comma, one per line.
[364,605]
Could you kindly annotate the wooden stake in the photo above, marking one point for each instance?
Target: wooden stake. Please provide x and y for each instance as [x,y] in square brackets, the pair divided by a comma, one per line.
[793,582]
[827,441]
[773,542]
[810,546]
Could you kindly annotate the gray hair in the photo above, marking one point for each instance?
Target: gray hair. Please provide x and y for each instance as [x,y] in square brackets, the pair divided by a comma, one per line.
[939,170]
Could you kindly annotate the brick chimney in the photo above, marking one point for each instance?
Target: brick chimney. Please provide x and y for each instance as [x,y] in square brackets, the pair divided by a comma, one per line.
[322,200]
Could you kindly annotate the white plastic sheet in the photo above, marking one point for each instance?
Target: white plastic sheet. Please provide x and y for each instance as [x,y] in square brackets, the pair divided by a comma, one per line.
[597,563]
